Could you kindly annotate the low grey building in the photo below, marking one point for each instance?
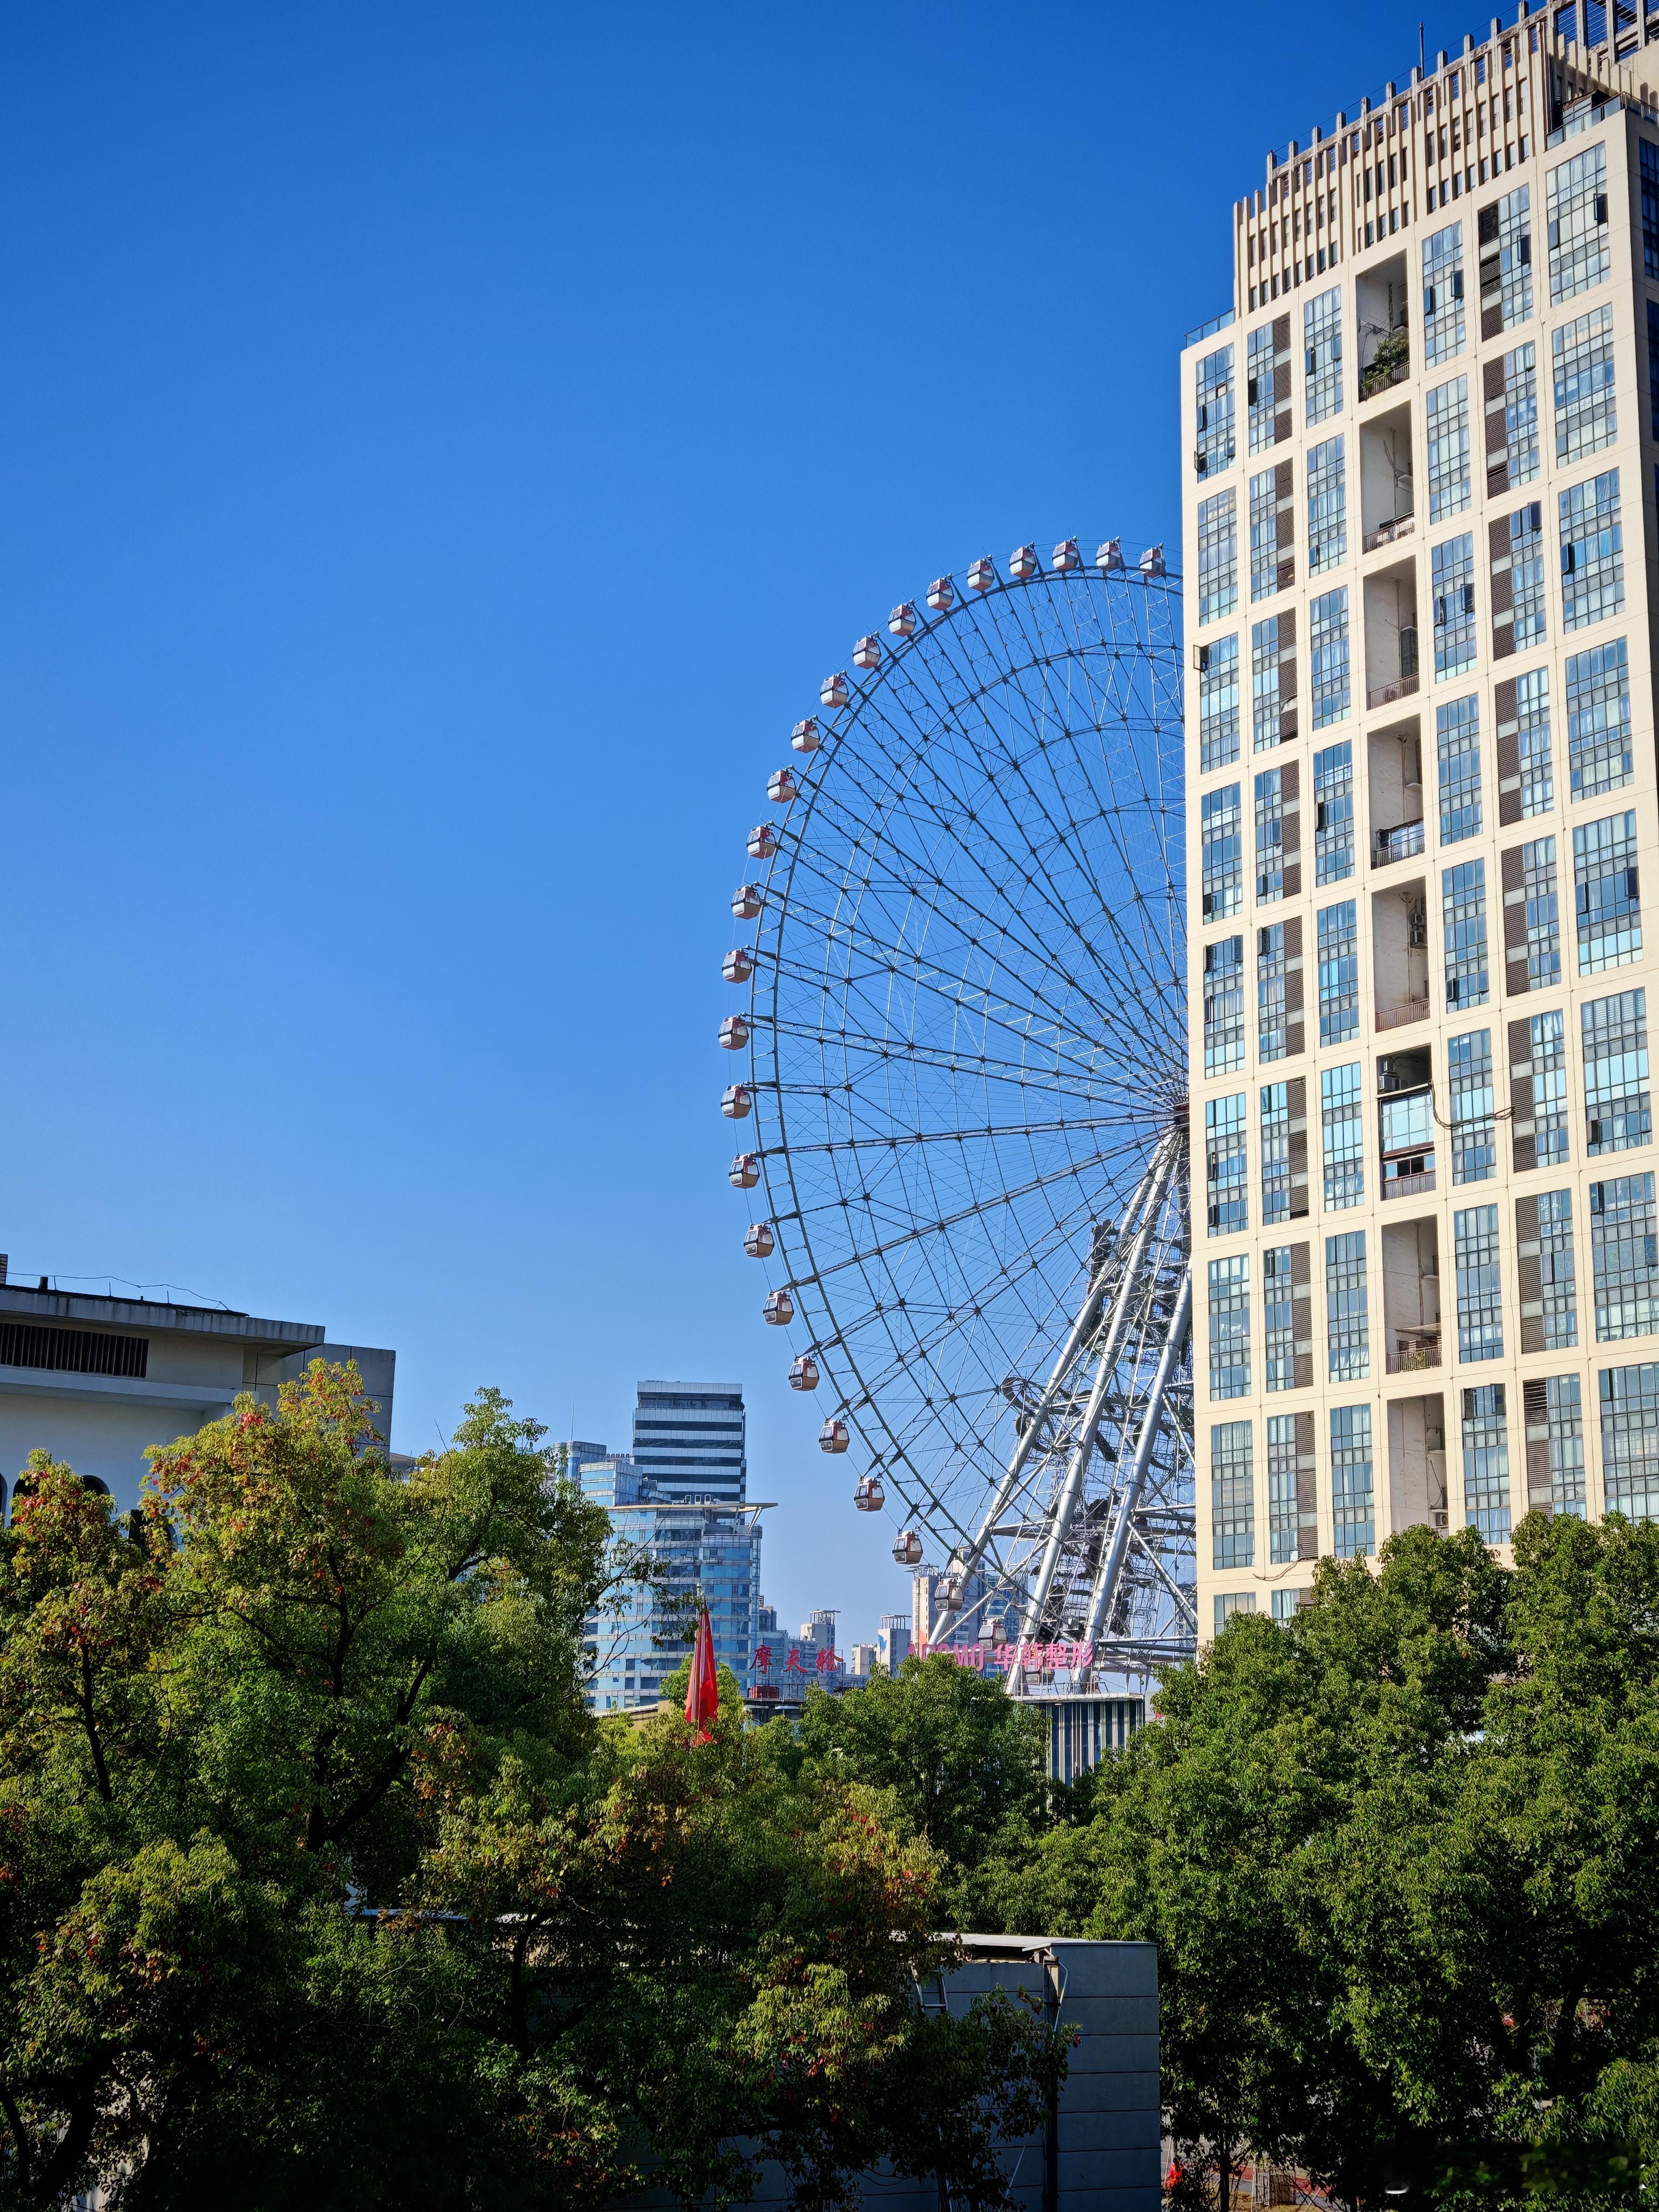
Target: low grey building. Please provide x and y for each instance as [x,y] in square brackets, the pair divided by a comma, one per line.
[94,1380]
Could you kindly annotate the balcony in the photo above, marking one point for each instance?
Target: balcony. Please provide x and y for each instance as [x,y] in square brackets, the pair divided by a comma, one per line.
[1403,842]
[1408,1186]
[1418,1349]
[1389,365]
[1395,1018]
[1389,533]
[1384,694]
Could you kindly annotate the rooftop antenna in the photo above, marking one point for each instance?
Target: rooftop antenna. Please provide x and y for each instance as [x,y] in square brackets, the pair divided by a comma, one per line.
[1422,52]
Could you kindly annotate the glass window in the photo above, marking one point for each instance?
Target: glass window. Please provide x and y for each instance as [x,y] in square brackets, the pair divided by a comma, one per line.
[1464,922]
[1284,1504]
[1221,844]
[1233,1495]
[1259,367]
[1606,893]
[1653,368]
[1532,701]
[1339,1118]
[1348,1327]
[1265,697]
[1585,418]
[1548,1066]
[1442,295]
[1328,656]
[1457,742]
[1452,564]
[1513,300]
[1224,1006]
[1543,913]
[1473,1108]
[1557,1271]
[1629,1440]
[1480,1287]
[1264,534]
[1578,248]
[1352,1510]
[1270,834]
[1332,783]
[1214,395]
[1623,1257]
[1449,449]
[1230,1327]
[1486,1463]
[1272,1034]
[1227,1165]
[1650,208]
[1278,1319]
[1555,1433]
[1338,972]
[1228,1602]
[1592,552]
[1526,585]
[1217,704]
[1321,338]
[1217,556]
[1600,753]
[1618,1110]
[1327,506]
[1520,447]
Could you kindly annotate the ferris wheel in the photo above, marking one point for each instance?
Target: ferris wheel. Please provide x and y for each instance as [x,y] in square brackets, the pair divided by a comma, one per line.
[966,1084]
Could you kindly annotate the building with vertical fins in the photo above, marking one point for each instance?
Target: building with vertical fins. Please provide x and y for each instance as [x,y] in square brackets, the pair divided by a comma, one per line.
[1420,512]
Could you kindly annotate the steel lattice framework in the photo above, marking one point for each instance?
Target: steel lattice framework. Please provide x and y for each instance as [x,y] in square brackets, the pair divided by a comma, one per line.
[968,1074]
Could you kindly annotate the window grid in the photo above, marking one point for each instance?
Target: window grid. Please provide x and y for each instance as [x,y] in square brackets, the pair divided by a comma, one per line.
[1352,1509]
[1327,506]
[1555,1419]
[1217,556]
[1600,754]
[1557,1271]
[1347,1326]
[1529,589]
[1480,1290]
[1452,563]
[1213,376]
[1221,843]
[1230,1327]
[1578,250]
[1586,418]
[1520,415]
[1333,786]
[1629,1440]
[1606,893]
[1543,913]
[1448,416]
[1272,1034]
[1278,1321]
[1514,258]
[1217,704]
[1341,1131]
[1546,1039]
[1486,1462]
[1259,396]
[1321,339]
[1265,696]
[1284,1516]
[1233,1495]
[1270,834]
[1224,1006]
[1532,702]
[1650,206]
[1653,368]
[1264,534]
[1457,746]
[1617,1108]
[1592,552]
[1227,1165]
[1474,1108]
[1442,295]
[1623,1257]
[1328,648]
[1463,926]
[1338,972]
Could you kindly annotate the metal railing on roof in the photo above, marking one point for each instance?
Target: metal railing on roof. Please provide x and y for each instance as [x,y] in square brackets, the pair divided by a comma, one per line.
[1208,330]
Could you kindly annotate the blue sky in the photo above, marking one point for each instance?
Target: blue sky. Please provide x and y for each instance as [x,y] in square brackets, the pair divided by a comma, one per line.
[444,447]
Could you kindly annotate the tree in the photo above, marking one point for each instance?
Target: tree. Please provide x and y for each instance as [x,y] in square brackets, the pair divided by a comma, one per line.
[319,1885]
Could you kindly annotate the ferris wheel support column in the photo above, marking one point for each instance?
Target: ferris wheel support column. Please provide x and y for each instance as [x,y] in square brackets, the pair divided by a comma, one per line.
[1139,1208]
[1164,1169]
[1104,1594]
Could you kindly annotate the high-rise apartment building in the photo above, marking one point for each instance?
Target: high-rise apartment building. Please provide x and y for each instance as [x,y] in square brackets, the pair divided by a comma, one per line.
[688,1438]
[1421,465]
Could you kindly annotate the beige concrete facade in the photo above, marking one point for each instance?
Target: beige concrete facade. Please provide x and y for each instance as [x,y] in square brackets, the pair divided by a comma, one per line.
[1480,594]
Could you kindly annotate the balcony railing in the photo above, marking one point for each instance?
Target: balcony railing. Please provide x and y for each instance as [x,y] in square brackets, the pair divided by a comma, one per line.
[1409,1185]
[1393,1018]
[1389,365]
[1389,533]
[1402,843]
[1416,1352]
[1384,694]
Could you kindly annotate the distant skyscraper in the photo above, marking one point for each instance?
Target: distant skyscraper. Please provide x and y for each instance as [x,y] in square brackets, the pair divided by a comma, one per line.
[688,1439]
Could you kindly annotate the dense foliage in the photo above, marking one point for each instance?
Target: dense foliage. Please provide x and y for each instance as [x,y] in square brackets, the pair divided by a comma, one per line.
[319,1885]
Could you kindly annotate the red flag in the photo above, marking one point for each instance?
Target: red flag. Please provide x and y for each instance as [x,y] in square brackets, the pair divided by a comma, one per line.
[702,1694]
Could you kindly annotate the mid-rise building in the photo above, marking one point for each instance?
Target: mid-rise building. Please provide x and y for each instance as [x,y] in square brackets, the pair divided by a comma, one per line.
[1420,457]
[893,1642]
[689,1438]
